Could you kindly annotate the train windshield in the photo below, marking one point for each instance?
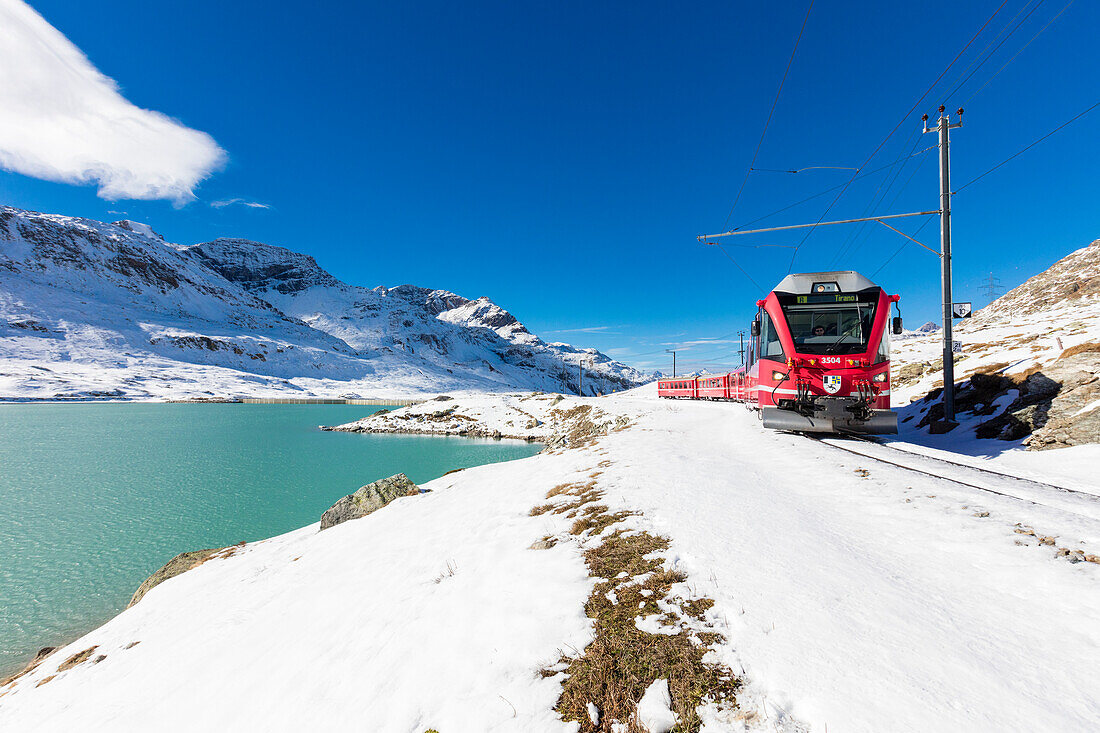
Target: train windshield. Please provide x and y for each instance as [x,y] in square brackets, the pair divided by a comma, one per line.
[834,328]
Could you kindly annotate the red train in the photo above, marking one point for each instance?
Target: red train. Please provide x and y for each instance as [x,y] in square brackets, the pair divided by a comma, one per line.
[818,359]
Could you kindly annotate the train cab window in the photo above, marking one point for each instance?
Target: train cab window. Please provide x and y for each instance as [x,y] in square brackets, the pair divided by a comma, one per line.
[883,353]
[770,346]
[830,328]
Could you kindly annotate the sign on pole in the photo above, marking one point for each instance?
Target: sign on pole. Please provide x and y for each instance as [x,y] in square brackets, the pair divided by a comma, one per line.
[956,347]
[961,310]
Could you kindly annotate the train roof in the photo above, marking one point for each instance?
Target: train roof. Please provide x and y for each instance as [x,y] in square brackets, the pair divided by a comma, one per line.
[847,281]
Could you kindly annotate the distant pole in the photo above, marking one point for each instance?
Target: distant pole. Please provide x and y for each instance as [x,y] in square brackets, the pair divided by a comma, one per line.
[741,351]
[943,128]
[673,352]
[580,374]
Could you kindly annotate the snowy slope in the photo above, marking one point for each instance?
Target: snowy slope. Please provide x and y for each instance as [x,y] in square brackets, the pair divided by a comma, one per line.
[1044,326]
[853,596]
[1030,325]
[95,309]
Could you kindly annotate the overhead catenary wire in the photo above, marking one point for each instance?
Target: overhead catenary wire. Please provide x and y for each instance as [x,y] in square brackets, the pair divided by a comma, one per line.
[998,71]
[983,175]
[979,61]
[896,127]
[857,232]
[771,112]
[807,168]
[1029,147]
[830,189]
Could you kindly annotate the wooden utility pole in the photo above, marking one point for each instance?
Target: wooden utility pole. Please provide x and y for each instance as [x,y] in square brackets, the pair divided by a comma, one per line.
[673,352]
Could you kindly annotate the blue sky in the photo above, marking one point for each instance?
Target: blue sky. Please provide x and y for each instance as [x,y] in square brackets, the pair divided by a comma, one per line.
[562,157]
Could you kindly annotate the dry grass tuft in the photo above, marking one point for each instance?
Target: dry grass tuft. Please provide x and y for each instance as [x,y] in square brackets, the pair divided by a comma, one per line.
[595,519]
[581,494]
[76,659]
[615,669]
[1089,346]
[622,661]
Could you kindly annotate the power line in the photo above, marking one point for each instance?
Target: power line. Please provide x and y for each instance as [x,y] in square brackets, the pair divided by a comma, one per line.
[830,190]
[807,168]
[975,65]
[858,231]
[770,113]
[983,175]
[864,237]
[891,133]
[1029,147]
[997,73]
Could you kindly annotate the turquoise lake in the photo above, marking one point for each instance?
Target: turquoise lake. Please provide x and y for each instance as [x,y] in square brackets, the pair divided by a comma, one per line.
[95,497]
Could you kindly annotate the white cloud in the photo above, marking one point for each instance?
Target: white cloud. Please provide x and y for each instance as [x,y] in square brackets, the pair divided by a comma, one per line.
[589,329]
[699,342]
[242,202]
[63,120]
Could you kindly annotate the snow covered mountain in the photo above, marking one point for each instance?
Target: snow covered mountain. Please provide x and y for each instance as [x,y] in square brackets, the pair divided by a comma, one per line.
[928,328]
[95,309]
[435,329]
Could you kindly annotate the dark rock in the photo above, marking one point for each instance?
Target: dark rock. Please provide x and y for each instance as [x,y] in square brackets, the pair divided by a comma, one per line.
[40,657]
[178,565]
[369,498]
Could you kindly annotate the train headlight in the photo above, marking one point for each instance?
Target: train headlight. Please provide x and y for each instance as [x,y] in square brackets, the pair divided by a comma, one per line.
[880,377]
[778,376]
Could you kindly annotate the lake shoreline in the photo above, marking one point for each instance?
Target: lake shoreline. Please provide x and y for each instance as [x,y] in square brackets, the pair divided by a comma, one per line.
[373,401]
[87,584]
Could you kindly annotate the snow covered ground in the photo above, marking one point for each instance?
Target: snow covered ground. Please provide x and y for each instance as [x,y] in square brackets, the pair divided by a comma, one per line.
[853,595]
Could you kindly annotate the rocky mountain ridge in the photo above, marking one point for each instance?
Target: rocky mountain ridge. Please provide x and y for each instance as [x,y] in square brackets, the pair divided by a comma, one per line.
[95,309]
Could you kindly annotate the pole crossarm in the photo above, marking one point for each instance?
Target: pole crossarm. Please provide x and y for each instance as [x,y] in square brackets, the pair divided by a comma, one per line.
[819,224]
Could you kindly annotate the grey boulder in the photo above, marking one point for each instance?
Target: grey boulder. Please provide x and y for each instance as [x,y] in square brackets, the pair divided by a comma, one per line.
[370,498]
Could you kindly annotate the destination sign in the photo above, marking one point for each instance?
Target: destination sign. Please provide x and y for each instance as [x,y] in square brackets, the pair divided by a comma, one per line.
[827,298]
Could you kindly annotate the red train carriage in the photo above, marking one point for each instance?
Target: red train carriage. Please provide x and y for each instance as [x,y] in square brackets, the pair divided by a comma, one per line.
[819,358]
[713,387]
[680,388]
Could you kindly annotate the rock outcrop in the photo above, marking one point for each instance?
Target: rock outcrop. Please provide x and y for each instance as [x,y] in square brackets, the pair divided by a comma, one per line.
[367,499]
[1073,417]
[179,564]
[1052,407]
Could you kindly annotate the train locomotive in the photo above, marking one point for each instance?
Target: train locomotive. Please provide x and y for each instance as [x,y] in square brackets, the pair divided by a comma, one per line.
[818,359]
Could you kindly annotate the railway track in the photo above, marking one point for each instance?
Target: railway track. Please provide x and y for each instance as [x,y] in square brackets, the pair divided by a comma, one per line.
[985,480]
